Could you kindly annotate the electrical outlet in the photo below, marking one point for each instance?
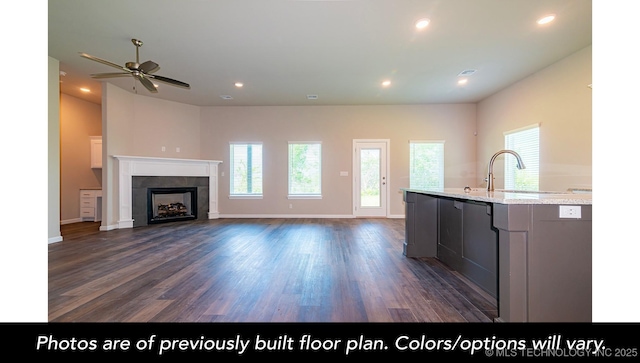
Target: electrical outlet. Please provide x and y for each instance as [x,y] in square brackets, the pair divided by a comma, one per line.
[178,149]
[290,206]
[570,211]
[164,149]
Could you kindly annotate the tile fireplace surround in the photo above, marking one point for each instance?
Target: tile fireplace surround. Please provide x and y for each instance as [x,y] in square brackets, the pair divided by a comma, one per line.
[130,166]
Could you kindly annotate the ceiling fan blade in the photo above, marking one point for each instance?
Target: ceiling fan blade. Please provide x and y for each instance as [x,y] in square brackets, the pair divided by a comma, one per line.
[147,83]
[99,60]
[149,67]
[170,81]
[110,75]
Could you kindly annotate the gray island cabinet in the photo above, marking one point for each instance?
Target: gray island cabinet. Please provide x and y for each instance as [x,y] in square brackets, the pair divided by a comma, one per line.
[530,251]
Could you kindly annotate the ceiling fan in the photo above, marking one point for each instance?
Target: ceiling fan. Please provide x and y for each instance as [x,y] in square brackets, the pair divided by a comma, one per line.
[143,72]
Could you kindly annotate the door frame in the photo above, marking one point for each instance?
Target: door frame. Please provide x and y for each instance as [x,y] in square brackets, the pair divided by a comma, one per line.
[355,167]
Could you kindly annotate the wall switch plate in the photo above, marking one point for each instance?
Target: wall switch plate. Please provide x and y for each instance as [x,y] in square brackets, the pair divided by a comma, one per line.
[177,149]
[164,148]
[570,211]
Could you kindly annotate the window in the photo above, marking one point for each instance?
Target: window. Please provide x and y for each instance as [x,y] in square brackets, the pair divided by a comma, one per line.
[305,170]
[426,164]
[526,142]
[245,170]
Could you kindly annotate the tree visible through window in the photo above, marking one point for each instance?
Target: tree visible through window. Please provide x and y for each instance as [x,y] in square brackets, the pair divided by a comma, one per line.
[246,170]
[426,164]
[305,169]
[526,142]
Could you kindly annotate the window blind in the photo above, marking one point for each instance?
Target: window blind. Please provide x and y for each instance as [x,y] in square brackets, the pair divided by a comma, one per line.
[526,142]
[305,169]
[426,164]
[245,169]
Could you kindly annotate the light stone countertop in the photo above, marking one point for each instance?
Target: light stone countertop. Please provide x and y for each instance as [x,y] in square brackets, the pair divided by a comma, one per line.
[510,197]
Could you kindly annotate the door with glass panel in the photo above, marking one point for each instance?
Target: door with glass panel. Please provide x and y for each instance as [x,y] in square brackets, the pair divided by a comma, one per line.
[370,178]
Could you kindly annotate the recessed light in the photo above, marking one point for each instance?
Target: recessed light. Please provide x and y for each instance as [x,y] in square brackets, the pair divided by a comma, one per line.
[239,84]
[85,90]
[422,23]
[546,19]
[386,83]
[466,72]
[463,81]
[312,97]
[226,97]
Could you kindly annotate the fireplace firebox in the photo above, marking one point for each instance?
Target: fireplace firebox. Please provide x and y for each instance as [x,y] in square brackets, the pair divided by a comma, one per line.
[171,204]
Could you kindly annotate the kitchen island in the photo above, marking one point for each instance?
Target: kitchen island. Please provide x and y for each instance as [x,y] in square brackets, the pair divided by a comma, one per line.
[529,250]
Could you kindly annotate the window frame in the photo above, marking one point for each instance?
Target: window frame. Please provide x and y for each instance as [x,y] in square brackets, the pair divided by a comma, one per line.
[441,166]
[233,195]
[291,195]
[530,158]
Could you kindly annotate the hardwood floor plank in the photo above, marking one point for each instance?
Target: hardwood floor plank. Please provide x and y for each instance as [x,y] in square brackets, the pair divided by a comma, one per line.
[254,270]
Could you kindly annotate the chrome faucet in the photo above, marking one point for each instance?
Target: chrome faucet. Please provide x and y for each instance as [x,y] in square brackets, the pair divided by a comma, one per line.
[490,178]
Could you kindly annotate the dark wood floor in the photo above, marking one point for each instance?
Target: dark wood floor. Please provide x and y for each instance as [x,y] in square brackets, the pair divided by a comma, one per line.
[254,270]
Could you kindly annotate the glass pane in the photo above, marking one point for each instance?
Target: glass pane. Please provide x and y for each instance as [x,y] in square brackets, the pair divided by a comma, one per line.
[370,178]
[426,161]
[304,169]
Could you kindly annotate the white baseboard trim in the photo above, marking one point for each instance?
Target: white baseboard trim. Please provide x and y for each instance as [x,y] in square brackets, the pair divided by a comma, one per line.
[55,239]
[286,216]
[108,228]
[69,221]
[396,216]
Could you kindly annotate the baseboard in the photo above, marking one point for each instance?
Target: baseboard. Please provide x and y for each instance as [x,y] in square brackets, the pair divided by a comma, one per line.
[55,239]
[108,228]
[396,216]
[286,216]
[70,221]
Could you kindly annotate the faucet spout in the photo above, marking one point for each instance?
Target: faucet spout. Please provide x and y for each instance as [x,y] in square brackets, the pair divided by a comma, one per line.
[490,177]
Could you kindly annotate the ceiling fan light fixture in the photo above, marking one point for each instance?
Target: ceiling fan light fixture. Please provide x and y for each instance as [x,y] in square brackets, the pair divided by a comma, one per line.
[239,84]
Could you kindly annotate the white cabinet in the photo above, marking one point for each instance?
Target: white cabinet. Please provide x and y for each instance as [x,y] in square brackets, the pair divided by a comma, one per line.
[90,205]
[96,152]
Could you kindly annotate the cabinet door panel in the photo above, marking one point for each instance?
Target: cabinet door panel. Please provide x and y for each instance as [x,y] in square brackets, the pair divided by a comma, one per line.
[450,232]
[480,239]
[480,247]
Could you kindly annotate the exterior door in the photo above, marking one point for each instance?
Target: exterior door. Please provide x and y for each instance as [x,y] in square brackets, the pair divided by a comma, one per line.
[370,178]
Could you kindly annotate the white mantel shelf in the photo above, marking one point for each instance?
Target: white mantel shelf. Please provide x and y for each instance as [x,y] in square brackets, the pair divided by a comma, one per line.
[130,166]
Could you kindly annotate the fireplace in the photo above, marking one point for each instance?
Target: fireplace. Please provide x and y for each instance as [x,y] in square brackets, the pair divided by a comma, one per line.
[171,204]
[137,173]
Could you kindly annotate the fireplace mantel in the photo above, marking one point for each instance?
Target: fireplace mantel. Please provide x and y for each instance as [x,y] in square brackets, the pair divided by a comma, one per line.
[129,166]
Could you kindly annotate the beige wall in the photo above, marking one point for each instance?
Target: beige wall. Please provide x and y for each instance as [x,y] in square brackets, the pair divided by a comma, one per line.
[117,139]
[53,154]
[336,127]
[138,125]
[79,120]
[158,123]
[558,98]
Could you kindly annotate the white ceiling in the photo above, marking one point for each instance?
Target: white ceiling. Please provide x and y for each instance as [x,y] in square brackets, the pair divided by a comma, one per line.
[341,51]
